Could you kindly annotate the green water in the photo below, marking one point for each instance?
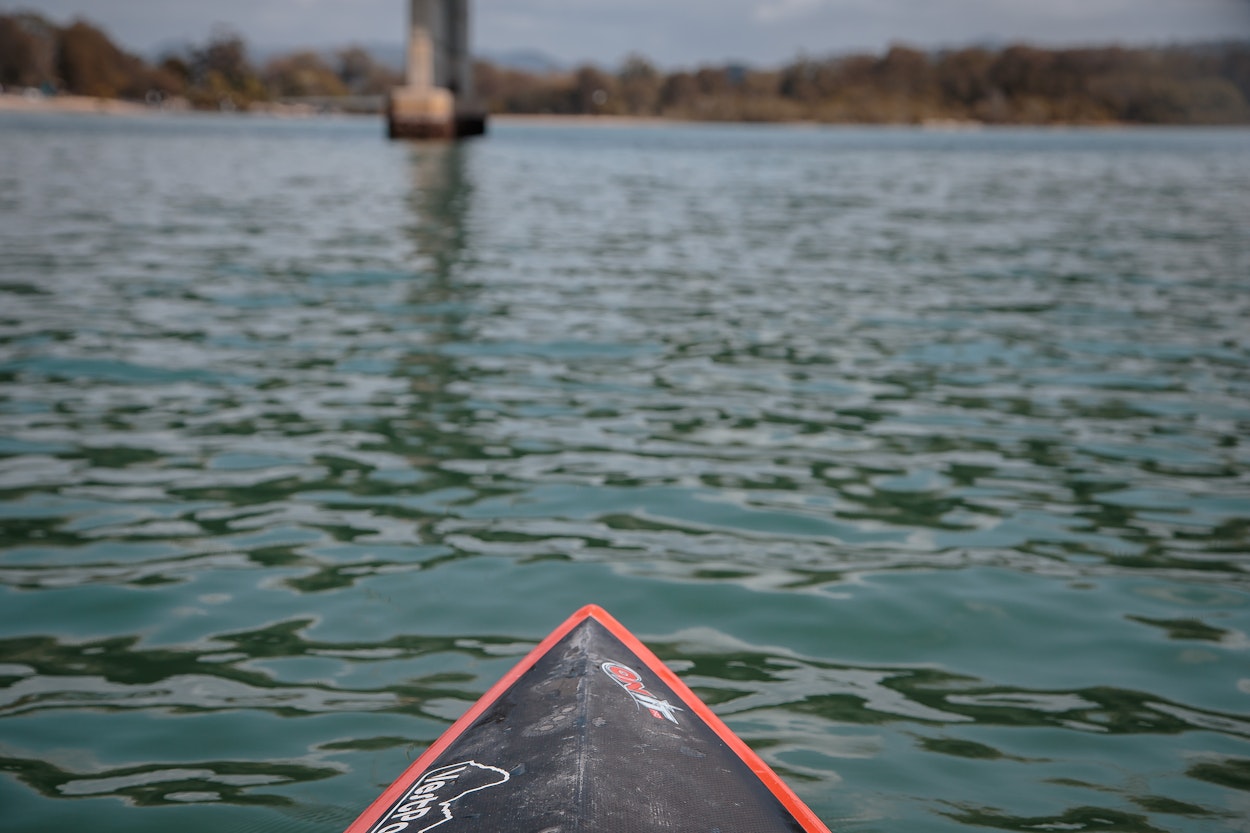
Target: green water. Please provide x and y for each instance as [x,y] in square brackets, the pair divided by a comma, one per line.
[920,456]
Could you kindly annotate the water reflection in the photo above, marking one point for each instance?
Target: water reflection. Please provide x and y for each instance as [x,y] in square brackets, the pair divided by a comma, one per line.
[440,202]
[386,518]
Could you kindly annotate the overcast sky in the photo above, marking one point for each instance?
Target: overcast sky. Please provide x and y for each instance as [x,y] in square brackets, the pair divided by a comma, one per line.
[670,32]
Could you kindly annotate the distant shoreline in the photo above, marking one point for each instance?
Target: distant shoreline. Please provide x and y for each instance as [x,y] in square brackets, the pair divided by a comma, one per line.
[18,103]
[589,120]
[80,104]
[950,89]
[12,102]
[586,120]
[15,102]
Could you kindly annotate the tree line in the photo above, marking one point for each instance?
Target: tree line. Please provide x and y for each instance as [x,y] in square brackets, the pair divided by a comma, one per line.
[1019,84]
[81,59]
[1015,85]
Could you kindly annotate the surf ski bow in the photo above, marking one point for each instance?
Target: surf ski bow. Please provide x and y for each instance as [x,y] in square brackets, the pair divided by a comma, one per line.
[590,732]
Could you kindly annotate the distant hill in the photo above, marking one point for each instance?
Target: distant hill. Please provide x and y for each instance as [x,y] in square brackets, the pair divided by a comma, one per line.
[524,60]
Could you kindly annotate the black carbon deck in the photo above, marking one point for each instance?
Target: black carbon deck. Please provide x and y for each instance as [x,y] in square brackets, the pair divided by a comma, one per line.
[589,733]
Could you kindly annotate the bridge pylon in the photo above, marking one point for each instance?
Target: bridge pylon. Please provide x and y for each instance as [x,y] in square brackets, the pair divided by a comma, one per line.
[437,100]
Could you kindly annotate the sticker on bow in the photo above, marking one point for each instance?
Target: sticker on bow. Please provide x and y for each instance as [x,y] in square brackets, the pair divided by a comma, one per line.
[629,679]
[431,800]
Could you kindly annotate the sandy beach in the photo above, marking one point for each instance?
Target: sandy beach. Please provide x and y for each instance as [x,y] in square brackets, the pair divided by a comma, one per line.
[70,104]
[18,102]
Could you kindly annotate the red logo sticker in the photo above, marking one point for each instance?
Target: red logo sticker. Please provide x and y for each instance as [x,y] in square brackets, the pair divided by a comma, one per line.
[629,679]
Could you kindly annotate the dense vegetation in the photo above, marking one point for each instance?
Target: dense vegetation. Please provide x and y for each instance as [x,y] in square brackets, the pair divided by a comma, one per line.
[218,74]
[1016,85]
[1020,84]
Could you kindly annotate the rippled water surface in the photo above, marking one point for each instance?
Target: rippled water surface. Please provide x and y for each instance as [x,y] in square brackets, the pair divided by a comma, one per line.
[920,456]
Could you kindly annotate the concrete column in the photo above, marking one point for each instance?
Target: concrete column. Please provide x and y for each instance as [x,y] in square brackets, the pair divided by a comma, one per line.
[438,31]
[420,46]
[437,98]
[462,60]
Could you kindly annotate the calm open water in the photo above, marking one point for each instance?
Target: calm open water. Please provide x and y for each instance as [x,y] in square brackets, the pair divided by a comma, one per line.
[922,457]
